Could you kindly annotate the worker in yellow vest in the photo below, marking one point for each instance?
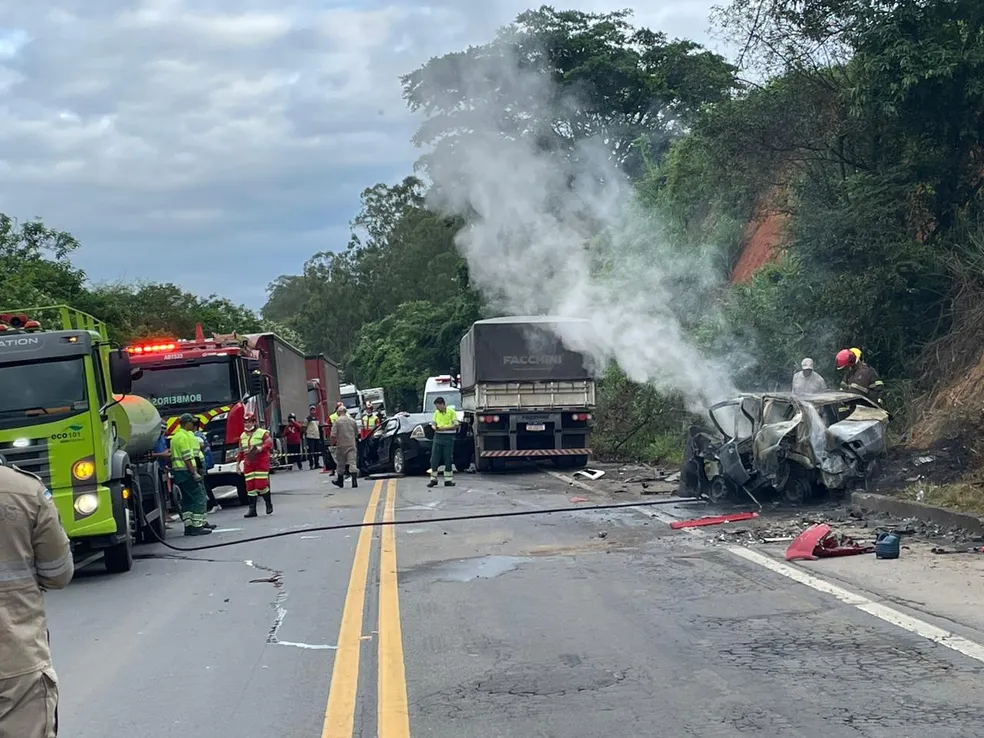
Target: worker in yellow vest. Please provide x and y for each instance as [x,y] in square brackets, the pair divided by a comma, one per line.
[186,468]
[445,425]
[369,422]
[255,445]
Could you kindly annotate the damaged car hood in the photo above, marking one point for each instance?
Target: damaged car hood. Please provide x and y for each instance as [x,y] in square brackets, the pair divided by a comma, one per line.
[792,427]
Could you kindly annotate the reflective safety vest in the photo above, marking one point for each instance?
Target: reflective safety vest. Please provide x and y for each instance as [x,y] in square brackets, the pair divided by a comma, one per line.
[369,421]
[444,422]
[258,439]
[185,448]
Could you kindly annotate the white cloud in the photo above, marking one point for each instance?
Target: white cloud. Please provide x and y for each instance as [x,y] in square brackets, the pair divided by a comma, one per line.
[220,143]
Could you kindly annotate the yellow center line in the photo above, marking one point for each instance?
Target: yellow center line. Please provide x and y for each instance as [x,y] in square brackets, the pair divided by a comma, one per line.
[340,711]
[393,717]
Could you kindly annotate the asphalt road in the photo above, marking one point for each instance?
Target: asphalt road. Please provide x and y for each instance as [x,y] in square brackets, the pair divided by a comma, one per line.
[575,625]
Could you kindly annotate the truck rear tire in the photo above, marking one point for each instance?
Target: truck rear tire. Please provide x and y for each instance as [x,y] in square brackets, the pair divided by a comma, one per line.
[119,558]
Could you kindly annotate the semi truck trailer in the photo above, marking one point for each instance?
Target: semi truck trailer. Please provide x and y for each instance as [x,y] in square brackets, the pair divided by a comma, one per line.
[524,394]
[67,417]
[323,387]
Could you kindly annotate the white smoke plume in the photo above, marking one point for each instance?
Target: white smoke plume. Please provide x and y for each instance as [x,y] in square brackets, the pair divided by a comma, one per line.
[564,236]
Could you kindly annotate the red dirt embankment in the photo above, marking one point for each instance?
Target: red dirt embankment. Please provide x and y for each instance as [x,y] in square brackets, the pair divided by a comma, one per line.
[763,243]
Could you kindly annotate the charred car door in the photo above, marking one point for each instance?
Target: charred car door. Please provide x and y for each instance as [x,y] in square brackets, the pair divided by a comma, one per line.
[738,421]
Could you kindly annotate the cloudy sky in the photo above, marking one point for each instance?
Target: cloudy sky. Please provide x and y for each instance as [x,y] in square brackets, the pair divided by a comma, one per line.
[220,143]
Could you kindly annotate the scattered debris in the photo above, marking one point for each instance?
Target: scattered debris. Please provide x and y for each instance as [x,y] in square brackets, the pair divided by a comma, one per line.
[939,550]
[579,499]
[603,534]
[819,542]
[920,460]
[713,520]
[590,474]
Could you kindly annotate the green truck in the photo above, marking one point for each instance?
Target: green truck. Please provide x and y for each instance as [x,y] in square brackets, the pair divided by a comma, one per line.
[66,415]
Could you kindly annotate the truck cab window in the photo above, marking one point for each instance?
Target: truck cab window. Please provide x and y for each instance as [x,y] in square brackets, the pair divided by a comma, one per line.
[100,378]
[45,389]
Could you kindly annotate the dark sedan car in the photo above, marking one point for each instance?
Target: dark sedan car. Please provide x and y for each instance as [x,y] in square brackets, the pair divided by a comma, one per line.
[401,445]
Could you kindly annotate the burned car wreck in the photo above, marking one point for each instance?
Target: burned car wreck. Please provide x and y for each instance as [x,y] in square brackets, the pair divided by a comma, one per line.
[780,443]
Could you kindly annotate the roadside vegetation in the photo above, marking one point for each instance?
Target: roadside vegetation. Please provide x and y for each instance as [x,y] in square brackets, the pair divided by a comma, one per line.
[843,147]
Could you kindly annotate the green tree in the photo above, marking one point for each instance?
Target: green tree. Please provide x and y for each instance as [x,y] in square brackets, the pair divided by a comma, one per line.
[419,339]
[400,251]
[560,77]
[155,310]
[36,265]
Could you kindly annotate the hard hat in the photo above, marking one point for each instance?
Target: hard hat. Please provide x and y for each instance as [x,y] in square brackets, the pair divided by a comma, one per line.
[248,417]
[187,418]
[846,358]
[857,353]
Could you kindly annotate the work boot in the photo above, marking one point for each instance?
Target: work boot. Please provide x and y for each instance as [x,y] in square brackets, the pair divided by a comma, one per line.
[210,526]
[448,483]
[339,481]
[269,503]
[355,480]
[432,482]
[251,513]
[189,531]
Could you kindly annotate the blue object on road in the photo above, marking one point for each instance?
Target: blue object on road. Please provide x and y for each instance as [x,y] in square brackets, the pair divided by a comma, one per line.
[888,546]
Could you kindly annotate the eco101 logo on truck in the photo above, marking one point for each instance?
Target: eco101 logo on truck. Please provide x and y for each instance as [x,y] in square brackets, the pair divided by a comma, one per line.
[71,433]
[175,400]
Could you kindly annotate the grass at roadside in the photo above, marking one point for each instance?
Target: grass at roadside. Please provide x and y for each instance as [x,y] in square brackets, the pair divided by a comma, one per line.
[965,496]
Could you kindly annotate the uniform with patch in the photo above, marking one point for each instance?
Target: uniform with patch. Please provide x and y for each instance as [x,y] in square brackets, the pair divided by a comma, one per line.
[34,555]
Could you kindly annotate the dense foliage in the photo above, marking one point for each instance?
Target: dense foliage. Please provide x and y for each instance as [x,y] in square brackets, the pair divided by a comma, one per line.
[863,135]
[38,272]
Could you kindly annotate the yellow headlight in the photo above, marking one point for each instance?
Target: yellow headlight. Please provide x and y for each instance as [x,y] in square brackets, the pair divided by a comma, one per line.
[83,470]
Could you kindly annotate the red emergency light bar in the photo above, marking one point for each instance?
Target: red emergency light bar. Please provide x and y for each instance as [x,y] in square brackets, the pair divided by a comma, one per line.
[18,322]
[152,348]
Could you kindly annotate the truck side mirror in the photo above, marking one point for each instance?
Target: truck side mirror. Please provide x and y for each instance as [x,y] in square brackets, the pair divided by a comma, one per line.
[256,384]
[120,372]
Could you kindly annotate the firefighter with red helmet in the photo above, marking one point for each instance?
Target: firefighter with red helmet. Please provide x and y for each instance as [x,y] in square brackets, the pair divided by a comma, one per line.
[255,445]
[858,377]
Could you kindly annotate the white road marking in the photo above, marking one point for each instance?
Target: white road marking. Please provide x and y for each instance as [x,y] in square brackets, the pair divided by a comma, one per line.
[883,612]
[888,614]
[226,530]
[309,646]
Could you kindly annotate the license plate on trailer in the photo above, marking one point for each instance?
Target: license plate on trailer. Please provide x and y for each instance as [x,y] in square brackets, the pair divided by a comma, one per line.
[538,427]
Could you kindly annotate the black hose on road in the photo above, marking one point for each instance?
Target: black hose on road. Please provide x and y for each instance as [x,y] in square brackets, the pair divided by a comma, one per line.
[418,521]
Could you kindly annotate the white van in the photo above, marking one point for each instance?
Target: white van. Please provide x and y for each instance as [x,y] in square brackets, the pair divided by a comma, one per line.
[444,386]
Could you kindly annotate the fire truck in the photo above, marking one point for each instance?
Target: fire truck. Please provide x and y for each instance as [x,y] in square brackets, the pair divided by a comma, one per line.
[219,380]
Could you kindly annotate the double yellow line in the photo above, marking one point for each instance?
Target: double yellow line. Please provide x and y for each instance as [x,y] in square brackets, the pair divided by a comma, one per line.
[393,719]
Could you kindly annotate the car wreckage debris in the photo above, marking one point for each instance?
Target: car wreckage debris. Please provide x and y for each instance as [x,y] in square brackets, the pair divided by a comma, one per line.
[819,542]
[713,520]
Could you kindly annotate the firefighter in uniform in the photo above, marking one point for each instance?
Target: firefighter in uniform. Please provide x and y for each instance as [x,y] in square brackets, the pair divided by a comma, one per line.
[858,376]
[34,556]
[332,449]
[369,422]
[255,445]
[186,460]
